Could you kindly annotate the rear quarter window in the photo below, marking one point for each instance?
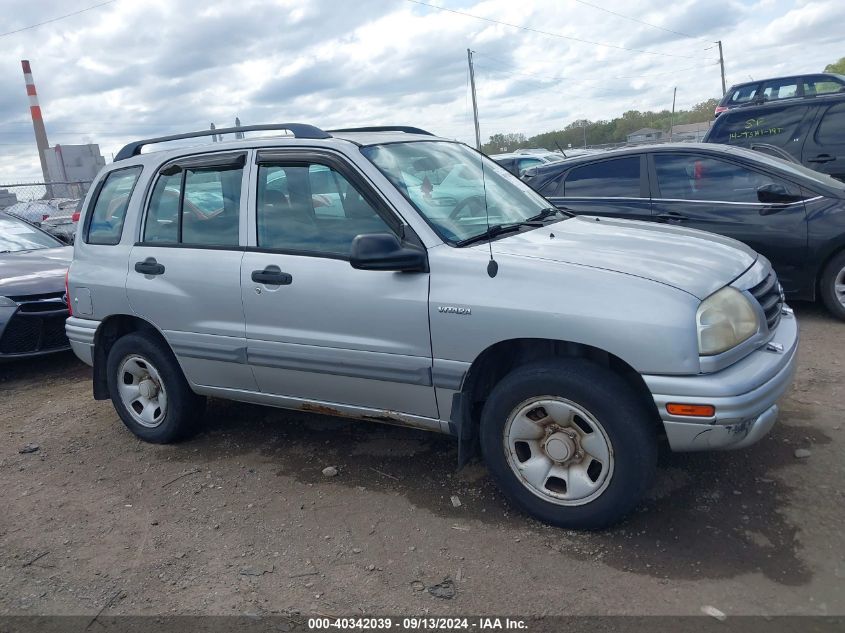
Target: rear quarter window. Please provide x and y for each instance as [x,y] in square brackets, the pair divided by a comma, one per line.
[105,222]
[743,127]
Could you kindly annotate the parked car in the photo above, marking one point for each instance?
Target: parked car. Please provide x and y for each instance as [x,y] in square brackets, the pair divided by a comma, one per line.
[564,346]
[811,130]
[518,162]
[57,216]
[33,310]
[778,88]
[792,215]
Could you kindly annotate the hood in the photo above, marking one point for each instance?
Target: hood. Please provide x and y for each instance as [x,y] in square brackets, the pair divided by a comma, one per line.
[694,261]
[34,272]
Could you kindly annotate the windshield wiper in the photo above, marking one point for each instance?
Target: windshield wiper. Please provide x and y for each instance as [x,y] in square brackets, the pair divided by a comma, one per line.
[497,229]
[550,212]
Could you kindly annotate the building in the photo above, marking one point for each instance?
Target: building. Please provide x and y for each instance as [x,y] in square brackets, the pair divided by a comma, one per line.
[72,164]
[645,135]
[690,132]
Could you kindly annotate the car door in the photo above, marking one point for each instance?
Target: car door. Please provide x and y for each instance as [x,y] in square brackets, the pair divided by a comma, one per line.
[616,187]
[317,329]
[824,149]
[706,192]
[184,271]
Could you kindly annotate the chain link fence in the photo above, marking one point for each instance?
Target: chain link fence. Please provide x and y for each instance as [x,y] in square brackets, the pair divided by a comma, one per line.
[53,206]
[11,194]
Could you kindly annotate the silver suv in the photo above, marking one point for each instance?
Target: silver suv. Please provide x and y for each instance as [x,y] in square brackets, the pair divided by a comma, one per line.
[389,275]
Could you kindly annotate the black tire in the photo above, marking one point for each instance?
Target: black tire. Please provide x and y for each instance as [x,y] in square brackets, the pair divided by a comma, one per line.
[627,422]
[827,286]
[184,408]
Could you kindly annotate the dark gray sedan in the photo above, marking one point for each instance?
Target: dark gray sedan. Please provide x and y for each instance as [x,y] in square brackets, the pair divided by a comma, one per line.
[33,307]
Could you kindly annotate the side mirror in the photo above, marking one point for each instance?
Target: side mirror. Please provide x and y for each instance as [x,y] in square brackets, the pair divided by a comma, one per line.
[384,251]
[772,193]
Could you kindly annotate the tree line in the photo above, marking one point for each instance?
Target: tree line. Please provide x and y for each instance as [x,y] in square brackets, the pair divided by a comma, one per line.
[600,132]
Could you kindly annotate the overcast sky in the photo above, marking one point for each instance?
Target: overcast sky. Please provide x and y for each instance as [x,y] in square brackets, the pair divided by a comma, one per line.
[136,68]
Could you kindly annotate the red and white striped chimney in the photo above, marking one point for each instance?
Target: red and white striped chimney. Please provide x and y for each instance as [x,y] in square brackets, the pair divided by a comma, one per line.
[37,120]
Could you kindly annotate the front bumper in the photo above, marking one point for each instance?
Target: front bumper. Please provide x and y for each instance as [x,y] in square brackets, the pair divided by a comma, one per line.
[744,395]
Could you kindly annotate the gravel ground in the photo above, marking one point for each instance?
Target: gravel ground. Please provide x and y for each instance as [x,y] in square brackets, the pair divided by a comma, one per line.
[241,519]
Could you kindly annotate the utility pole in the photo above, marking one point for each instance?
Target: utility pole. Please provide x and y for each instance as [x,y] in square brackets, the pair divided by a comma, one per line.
[585,133]
[474,102]
[672,123]
[722,64]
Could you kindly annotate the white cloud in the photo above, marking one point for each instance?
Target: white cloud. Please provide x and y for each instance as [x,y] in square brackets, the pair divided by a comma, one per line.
[132,69]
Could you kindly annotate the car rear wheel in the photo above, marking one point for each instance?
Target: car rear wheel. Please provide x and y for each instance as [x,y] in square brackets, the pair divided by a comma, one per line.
[149,391]
[569,442]
[832,286]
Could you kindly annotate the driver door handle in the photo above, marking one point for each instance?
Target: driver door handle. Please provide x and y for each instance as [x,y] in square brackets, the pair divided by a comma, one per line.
[272,276]
[821,158]
[149,267]
[671,216]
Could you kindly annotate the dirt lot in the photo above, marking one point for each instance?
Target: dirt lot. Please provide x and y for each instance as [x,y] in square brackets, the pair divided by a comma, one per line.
[241,519]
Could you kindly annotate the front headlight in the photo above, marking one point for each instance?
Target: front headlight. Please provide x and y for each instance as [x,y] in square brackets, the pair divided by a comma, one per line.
[5,302]
[725,319]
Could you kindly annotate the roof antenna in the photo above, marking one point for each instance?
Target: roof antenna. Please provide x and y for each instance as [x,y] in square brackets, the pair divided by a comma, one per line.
[492,266]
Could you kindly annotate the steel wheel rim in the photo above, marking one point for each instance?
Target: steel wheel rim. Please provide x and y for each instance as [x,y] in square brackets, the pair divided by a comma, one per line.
[839,287]
[142,391]
[558,450]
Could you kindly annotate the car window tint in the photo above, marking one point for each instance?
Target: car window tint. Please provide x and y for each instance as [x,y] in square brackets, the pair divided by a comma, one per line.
[819,85]
[109,213]
[312,209]
[743,94]
[210,208]
[618,178]
[776,125]
[696,177]
[832,128]
[780,89]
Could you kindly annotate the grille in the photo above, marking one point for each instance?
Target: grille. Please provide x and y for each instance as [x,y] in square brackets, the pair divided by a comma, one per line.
[770,297]
[35,327]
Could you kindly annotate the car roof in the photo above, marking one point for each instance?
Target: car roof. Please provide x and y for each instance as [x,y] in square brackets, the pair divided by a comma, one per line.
[516,155]
[796,76]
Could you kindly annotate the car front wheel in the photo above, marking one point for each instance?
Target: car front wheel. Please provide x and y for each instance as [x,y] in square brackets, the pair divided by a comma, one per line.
[569,442]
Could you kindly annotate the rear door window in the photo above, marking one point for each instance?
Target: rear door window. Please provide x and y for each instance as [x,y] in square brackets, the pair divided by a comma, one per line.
[105,225]
[617,178]
[780,89]
[196,206]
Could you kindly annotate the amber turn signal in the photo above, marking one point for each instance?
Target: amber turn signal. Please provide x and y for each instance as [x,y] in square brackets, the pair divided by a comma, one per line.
[692,410]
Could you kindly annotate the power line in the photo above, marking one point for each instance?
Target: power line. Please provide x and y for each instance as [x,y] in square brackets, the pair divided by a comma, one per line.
[503,63]
[56,19]
[638,21]
[550,34]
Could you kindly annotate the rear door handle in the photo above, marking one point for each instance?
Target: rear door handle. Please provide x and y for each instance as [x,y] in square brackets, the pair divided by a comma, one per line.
[272,276]
[821,158]
[149,267]
[671,216]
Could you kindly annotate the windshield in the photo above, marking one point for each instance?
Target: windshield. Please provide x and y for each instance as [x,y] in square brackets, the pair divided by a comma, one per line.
[455,188]
[17,235]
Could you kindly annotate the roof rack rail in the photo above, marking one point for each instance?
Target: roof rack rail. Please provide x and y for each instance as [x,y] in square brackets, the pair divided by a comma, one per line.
[386,128]
[300,130]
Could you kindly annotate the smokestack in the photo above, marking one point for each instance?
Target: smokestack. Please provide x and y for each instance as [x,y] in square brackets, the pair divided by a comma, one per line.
[37,120]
